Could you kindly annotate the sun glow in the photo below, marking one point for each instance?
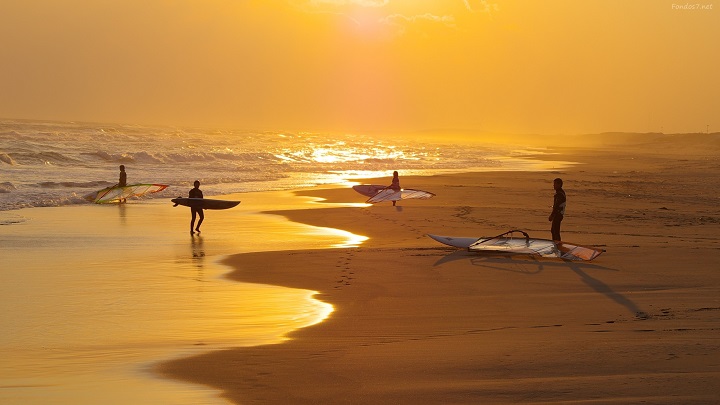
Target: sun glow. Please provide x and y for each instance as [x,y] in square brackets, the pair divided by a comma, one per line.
[340,152]
[382,65]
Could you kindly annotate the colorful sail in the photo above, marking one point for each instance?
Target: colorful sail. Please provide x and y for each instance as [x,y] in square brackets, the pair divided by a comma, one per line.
[508,243]
[369,190]
[511,244]
[116,194]
[389,194]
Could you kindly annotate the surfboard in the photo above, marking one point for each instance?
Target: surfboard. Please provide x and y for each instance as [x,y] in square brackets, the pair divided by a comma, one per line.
[389,194]
[510,244]
[369,190]
[455,241]
[205,203]
[116,194]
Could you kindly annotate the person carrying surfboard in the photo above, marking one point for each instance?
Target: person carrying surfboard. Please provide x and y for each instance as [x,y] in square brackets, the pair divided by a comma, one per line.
[395,185]
[195,192]
[558,209]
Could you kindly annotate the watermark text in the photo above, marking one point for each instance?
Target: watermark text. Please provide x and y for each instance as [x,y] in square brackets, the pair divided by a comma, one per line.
[692,6]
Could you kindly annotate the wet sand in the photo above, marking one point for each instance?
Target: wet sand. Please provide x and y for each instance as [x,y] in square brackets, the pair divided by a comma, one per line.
[419,323]
[93,296]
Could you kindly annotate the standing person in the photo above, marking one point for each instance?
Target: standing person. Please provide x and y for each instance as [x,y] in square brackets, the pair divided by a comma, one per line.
[122,182]
[558,209]
[195,192]
[395,185]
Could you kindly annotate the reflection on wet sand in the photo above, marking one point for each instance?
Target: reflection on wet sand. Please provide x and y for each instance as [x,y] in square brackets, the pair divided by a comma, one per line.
[122,289]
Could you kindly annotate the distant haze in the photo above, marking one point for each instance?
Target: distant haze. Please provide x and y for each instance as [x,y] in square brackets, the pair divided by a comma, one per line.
[493,66]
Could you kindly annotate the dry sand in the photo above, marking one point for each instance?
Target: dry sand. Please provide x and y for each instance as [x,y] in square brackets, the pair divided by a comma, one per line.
[419,323]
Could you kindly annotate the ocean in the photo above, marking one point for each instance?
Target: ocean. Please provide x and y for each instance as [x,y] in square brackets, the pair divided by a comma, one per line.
[45,164]
[95,296]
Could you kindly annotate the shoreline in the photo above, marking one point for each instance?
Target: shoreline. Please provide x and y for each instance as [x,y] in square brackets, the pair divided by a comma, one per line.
[95,295]
[415,322]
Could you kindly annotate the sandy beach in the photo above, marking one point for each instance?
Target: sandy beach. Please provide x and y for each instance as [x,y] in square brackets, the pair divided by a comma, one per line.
[419,323]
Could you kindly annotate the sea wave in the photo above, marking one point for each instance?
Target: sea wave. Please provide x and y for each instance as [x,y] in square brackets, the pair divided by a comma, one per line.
[7,187]
[112,157]
[58,201]
[180,157]
[10,133]
[73,184]
[43,158]
[7,159]
[51,200]
[9,218]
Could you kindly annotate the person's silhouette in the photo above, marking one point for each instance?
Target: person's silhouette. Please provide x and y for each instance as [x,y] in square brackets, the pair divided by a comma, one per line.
[558,209]
[395,185]
[195,192]
[122,182]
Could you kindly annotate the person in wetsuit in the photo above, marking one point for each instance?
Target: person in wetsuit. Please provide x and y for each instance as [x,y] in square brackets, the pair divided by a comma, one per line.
[122,182]
[195,192]
[558,209]
[395,185]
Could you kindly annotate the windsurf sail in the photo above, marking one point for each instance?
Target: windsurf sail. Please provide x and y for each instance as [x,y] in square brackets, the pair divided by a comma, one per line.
[368,190]
[389,194]
[116,194]
[509,243]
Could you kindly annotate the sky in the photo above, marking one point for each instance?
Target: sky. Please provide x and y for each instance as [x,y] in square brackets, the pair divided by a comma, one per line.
[531,67]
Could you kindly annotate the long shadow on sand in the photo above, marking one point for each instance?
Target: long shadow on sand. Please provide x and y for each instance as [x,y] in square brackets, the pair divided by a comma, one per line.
[606,290]
[530,265]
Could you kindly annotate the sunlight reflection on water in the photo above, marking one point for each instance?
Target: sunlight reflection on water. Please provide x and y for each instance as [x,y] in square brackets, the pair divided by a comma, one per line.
[93,296]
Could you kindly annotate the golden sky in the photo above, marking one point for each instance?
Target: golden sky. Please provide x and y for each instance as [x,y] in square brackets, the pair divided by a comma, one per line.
[535,66]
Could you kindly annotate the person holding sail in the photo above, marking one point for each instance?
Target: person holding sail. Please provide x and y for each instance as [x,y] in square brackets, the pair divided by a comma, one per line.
[122,181]
[395,185]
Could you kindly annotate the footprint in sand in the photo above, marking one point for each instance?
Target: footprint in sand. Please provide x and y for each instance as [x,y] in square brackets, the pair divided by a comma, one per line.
[343,262]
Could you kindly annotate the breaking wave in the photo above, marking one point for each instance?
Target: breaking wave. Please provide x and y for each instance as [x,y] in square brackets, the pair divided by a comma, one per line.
[5,158]
[7,187]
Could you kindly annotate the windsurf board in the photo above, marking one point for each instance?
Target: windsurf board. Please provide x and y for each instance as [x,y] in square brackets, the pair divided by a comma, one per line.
[454,241]
[522,245]
[205,203]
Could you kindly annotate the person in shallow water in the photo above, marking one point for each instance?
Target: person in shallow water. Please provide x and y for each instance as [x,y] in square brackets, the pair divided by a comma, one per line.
[195,192]
[122,182]
[558,209]
[395,185]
